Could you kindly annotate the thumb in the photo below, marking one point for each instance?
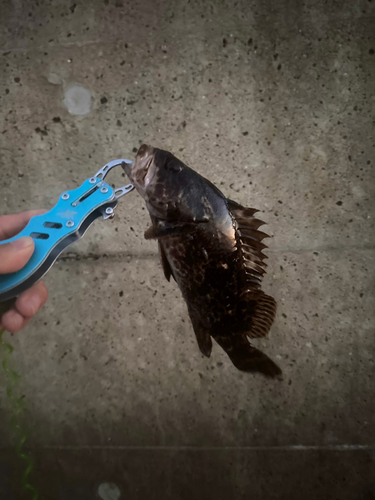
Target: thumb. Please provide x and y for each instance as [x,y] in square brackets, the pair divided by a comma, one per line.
[15,255]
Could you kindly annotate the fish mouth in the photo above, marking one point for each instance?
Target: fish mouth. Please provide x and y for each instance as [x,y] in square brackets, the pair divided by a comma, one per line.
[142,170]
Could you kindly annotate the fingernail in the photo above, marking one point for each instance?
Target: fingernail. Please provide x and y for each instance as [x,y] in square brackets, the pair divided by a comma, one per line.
[12,321]
[22,243]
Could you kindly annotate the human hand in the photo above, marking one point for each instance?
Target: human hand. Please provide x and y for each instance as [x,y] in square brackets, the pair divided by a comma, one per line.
[13,257]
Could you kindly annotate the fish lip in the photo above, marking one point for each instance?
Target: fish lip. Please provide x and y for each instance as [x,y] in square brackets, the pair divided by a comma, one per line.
[128,167]
[143,169]
[143,156]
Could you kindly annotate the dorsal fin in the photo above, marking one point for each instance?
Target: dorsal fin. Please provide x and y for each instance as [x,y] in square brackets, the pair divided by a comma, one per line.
[250,222]
[253,257]
[253,234]
[249,241]
[240,211]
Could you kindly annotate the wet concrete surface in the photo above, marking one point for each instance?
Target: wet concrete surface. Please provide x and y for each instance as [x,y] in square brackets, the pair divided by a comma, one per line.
[274,104]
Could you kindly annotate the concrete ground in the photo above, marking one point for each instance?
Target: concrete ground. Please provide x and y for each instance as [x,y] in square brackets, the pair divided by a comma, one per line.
[274,103]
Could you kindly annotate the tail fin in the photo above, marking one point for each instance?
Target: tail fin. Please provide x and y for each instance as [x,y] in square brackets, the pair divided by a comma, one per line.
[247,358]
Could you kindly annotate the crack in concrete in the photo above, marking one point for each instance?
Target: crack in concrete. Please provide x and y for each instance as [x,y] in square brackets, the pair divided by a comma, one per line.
[131,255]
[338,447]
[93,256]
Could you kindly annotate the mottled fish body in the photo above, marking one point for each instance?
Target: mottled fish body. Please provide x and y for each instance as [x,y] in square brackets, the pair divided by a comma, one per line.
[212,247]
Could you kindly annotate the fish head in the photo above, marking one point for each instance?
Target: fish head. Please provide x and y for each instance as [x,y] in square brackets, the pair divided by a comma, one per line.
[172,190]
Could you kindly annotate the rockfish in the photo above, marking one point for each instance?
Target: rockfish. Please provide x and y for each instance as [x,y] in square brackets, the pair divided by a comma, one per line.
[212,247]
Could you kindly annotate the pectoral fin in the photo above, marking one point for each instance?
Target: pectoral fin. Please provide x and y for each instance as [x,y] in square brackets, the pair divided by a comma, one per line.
[165,264]
[162,231]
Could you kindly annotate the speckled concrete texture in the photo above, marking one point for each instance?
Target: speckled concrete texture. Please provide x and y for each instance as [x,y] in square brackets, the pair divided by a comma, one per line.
[274,103]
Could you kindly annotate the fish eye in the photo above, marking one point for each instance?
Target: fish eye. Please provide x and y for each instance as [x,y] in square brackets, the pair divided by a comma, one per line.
[171,166]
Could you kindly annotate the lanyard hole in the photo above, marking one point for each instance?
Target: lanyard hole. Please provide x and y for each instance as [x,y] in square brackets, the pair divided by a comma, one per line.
[40,236]
[53,225]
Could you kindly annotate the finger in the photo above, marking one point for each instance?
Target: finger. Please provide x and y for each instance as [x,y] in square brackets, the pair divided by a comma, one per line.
[10,225]
[15,255]
[30,301]
[13,321]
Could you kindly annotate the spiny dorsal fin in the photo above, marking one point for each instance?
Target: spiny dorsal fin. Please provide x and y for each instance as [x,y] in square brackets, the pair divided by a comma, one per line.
[249,241]
[256,255]
[254,268]
[240,211]
[252,222]
[253,234]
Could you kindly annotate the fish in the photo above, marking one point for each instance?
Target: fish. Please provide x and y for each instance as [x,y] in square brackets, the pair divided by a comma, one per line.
[212,247]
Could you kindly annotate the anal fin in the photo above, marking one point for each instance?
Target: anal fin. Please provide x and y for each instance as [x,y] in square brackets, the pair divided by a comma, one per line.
[202,334]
